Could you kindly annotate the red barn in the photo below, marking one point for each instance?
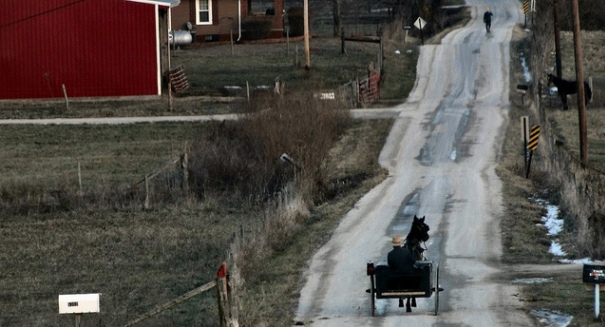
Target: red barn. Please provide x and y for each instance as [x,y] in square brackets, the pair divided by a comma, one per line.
[87,48]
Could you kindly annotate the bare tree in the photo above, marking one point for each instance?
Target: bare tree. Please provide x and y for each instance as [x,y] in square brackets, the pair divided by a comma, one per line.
[338,28]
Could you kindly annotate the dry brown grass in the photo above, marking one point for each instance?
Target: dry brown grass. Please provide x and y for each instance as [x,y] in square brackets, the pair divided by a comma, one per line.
[243,157]
[272,284]
[524,241]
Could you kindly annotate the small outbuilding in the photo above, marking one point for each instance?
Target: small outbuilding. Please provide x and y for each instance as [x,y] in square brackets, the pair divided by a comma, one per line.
[83,48]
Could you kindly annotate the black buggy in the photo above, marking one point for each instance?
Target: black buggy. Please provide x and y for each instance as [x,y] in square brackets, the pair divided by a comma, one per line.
[387,283]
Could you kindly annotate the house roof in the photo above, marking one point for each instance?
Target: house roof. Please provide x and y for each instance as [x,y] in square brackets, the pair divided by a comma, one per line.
[164,3]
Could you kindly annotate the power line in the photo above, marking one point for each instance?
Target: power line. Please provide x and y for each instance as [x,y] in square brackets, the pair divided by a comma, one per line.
[41,14]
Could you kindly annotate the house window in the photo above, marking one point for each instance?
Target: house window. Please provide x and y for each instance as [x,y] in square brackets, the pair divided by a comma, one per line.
[204,12]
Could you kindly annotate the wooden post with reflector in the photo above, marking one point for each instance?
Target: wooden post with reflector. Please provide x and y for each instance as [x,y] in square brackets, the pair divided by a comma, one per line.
[525,138]
[532,145]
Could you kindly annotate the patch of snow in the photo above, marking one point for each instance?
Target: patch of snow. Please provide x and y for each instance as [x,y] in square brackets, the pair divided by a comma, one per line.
[576,261]
[552,318]
[453,154]
[554,226]
[526,72]
[555,248]
[532,280]
[551,221]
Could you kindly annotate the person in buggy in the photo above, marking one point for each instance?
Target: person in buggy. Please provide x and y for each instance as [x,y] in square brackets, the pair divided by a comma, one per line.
[401,258]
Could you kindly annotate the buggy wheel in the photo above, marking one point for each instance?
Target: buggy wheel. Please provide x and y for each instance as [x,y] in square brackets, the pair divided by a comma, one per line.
[436,288]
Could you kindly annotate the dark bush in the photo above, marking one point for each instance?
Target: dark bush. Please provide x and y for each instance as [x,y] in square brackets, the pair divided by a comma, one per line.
[257,27]
[296,21]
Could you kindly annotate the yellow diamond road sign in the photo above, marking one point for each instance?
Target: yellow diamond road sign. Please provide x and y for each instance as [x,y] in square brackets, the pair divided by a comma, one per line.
[420,23]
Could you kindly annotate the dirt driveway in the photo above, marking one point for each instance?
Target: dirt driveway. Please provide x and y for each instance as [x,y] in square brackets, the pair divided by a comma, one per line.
[441,155]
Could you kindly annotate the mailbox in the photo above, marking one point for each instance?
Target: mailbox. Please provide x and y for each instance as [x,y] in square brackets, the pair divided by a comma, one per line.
[79,303]
[521,88]
[593,274]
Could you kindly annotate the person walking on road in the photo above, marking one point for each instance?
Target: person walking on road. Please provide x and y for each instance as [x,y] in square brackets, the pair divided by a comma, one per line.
[487,19]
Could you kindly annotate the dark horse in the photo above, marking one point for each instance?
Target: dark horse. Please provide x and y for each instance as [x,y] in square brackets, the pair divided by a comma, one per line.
[419,233]
[565,87]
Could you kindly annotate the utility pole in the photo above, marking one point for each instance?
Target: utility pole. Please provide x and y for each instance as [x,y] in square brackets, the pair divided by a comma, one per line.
[306,25]
[337,16]
[577,37]
[556,15]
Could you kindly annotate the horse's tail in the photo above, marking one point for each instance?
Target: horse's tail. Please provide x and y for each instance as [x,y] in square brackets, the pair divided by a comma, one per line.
[587,93]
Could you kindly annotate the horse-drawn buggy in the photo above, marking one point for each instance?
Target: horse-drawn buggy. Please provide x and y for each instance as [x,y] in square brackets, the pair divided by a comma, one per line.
[387,283]
[419,280]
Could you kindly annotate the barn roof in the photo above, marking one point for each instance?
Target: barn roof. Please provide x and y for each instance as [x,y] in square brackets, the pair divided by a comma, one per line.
[165,3]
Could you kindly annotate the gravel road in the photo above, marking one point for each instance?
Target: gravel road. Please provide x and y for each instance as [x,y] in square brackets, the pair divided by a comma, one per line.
[441,155]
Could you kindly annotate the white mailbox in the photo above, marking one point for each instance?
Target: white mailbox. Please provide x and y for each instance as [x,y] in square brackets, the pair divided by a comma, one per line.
[80,303]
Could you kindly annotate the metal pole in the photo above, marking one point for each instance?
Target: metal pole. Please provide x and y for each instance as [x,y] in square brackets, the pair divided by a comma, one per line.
[525,138]
[556,11]
[532,11]
[531,153]
[525,159]
[597,309]
[421,34]
[420,22]
[580,80]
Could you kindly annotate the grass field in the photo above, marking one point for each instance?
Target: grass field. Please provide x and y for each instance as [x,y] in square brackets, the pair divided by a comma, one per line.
[216,74]
[566,122]
[212,68]
[139,259]
[136,258]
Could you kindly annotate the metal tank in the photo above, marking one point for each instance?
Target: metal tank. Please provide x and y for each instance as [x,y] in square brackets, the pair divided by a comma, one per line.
[179,37]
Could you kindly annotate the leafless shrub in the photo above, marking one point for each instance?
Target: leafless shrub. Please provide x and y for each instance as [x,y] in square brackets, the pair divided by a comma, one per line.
[243,157]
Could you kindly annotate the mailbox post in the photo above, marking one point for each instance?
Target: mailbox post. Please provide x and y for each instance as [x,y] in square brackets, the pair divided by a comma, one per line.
[79,304]
[594,275]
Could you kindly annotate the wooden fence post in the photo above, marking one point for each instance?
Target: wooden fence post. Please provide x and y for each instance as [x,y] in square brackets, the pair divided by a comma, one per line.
[80,179]
[185,168]
[248,91]
[356,92]
[224,305]
[65,95]
[147,197]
